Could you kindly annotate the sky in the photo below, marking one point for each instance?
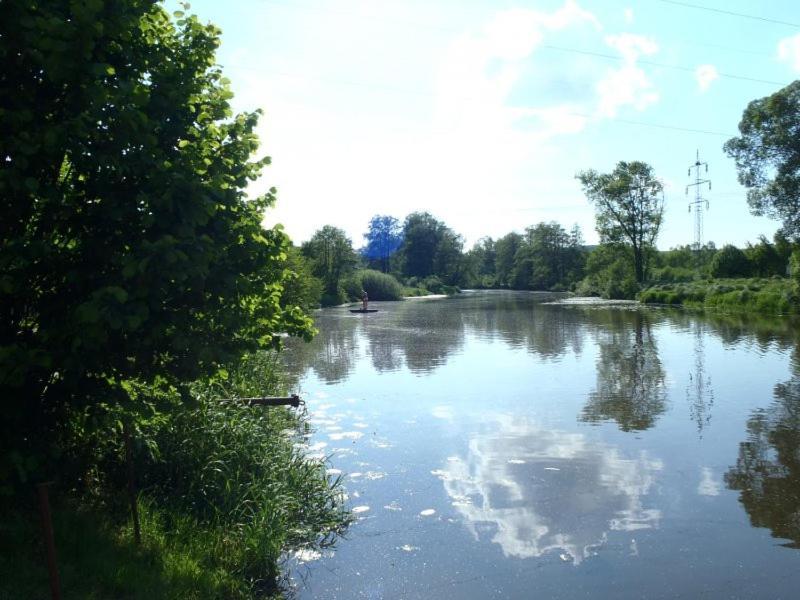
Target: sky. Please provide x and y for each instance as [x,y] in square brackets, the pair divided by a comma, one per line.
[482,112]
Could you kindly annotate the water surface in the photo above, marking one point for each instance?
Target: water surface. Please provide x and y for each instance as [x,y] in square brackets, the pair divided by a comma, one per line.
[497,445]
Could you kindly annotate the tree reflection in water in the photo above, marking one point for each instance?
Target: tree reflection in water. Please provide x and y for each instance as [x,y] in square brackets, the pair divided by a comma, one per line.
[630,378]
[767,472]
[536,490]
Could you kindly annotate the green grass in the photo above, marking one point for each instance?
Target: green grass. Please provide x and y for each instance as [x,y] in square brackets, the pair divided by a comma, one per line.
[226,493]
[98,559]
[776,296]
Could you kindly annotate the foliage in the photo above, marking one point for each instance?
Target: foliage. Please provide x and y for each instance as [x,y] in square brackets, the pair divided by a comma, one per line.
[730,261]
[609,273]
[431,247]
[384,238]
[480,264]
[775,296]
[129,251]
[764,259]
[548,258]
[505,252]
[379,286]
[300,286]
[332,259]
[767,156]
[630,207]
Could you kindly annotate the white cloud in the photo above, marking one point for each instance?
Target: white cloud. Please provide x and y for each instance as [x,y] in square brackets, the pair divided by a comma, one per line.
[544,490]
[628,14]
[627,85]
[705,75]
[789,51]
[709,485]
[632,46]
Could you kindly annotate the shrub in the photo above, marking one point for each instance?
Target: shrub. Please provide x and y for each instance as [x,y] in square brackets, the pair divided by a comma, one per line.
[379,286]
[730,261]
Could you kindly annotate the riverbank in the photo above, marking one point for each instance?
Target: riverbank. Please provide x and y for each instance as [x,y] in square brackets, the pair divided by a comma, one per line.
[226,494]
[773,296]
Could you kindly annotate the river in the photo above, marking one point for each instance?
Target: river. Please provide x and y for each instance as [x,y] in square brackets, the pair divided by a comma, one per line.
[501,445]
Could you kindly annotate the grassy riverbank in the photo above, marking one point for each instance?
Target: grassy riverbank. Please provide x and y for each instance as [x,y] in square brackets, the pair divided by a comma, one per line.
[226,494]
[774,296]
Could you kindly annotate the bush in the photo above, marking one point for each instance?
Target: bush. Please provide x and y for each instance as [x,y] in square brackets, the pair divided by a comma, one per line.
[730,262]
[379,286]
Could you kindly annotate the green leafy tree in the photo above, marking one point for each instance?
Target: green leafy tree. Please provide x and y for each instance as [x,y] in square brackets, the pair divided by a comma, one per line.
[505,252]
[384,237]
[422,233]
[480,263]
[767,155]
[300,286]
[129,251]
[630,207]
[332,258]
[730,261]
[764,259]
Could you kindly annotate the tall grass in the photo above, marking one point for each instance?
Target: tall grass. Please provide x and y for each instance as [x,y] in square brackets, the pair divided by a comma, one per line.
[239,471]
[226,493]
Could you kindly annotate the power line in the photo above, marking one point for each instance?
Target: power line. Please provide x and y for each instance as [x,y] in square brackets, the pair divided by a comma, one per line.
[659,125]
[653,63]
[731,13]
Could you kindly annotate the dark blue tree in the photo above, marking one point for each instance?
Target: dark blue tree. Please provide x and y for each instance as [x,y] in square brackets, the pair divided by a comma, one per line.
[383,239]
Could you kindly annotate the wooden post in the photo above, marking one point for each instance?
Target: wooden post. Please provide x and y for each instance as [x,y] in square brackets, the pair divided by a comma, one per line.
[49,539]
[293,400]
[137,532]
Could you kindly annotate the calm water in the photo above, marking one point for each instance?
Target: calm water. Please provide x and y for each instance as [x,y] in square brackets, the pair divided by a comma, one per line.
[497,446]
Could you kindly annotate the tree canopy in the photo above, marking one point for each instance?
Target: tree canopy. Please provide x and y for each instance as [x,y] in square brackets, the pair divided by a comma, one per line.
[129,250]
[629,207]
[384,237]
[767,155]
[332,257]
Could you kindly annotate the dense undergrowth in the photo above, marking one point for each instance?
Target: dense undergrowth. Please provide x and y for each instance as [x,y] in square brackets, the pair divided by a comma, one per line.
[767,296]
[226,494]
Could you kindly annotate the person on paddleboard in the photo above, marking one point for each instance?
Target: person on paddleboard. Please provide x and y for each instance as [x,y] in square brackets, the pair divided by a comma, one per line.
[364,299]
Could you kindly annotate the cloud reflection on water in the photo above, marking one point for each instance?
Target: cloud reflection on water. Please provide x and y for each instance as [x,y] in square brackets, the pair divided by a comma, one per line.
[538,490]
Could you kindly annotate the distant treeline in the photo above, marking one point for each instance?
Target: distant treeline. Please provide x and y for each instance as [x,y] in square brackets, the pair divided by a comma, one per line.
[421,255]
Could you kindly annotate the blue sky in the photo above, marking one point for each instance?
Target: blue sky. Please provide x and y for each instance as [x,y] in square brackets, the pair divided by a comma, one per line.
[482,112]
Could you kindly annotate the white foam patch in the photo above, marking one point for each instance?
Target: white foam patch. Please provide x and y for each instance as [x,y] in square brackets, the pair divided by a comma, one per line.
[427,512]
[381,444]
[516,461]
[360,509]
[317,456]
[373,475]
[346,435]
[317,446]
[355,475]
[333,471]
[393,506]
[360,425]
[305,555]
[408,548]
[333,428]
[453,459]
[552,469]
